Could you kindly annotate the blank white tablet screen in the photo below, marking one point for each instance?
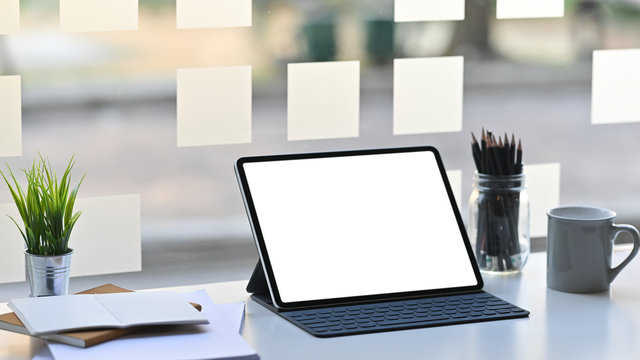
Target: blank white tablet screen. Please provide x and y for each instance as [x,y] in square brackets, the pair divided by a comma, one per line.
[359,225]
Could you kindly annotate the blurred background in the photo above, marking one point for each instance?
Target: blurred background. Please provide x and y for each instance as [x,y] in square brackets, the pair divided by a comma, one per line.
[110,99]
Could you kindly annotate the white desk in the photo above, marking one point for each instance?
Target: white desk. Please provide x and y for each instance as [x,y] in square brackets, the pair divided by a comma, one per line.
[561,326]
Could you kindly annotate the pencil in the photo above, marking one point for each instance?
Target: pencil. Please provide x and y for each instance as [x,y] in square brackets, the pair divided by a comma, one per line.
[497,233]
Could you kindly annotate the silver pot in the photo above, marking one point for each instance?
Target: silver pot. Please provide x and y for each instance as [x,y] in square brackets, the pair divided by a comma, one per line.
[48,275]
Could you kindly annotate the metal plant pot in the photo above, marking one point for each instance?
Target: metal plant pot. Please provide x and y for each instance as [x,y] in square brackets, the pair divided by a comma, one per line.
[48,275]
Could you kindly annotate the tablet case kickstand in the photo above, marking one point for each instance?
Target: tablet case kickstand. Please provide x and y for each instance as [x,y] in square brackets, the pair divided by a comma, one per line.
[259,289]
[258,282]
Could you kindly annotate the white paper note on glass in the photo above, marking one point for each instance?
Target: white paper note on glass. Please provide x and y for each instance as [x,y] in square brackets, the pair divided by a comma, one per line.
[514,9]
[12,254]
[543,187]
[427,95]
[9,16]
[428,10]
[191,14]
[98,15]
[615,88]
[10,116]
[323,100]
[214,106]
[100,247]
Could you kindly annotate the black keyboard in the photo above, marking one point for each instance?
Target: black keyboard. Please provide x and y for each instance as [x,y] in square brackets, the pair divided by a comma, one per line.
[401,314]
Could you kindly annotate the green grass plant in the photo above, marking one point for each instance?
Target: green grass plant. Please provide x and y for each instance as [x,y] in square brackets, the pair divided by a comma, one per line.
[46,207]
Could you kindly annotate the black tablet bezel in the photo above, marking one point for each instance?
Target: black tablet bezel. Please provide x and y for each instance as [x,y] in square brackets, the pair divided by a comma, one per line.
[264,256]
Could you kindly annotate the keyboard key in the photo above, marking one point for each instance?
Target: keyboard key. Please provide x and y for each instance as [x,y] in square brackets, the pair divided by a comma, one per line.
[304,318]
[315,321]
[412,321]
[318,326]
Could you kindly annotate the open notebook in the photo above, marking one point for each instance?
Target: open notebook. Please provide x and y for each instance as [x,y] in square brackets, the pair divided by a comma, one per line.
[47,315]
[340,233]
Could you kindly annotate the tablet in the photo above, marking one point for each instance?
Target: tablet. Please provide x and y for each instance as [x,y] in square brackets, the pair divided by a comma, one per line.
[354,226]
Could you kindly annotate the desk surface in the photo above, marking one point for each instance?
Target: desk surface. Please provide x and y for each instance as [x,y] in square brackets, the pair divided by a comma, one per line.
[598,326]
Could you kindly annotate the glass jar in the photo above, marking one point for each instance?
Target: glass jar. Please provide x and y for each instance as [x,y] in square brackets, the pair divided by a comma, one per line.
[499,222]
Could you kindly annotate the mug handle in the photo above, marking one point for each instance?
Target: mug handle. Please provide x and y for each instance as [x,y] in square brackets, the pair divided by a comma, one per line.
[631,230]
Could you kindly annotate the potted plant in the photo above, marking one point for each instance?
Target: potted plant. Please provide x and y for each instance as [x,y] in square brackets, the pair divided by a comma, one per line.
[46,209]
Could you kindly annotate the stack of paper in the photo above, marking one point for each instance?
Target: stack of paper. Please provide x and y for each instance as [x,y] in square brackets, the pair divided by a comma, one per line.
[220,339]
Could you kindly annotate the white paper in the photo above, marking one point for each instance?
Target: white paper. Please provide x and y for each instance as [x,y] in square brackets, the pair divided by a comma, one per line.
[12,254]
[98,15]
[218,339]
[212,13]
[615,86]
[100,247]
[427,95]
[513,9]
[323,100]
[9,16]
[103,310]
[214,105]
[543,187]
[10,116]
[428,10]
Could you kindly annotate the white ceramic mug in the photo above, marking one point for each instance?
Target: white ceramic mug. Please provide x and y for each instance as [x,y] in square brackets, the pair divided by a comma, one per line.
[580,246]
